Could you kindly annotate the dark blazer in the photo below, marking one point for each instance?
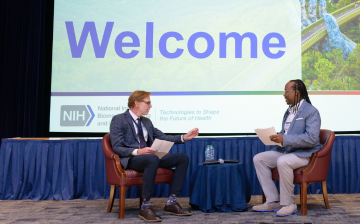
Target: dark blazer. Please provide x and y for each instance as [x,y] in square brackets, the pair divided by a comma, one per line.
[124,139]
[302,138]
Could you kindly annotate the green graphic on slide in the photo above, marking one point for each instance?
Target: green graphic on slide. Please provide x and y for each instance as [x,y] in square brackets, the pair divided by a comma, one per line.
[328,68]
[330,71]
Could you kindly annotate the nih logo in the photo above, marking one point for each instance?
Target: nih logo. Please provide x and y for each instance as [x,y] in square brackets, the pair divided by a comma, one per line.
[76,115]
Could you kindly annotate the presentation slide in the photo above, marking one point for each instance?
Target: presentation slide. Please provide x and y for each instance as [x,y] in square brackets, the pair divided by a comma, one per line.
[220,66]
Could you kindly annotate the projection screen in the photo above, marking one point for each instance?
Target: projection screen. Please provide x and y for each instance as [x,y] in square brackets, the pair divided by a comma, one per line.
[220,66]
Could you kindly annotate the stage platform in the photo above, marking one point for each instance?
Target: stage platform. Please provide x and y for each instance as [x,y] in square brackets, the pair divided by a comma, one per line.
[74,168]
[344,208]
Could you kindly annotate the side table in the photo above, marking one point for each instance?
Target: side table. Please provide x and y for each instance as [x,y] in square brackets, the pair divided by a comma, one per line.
[221,187]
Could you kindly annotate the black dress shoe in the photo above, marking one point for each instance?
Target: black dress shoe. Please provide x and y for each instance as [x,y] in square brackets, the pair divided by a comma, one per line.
[149,215]
[175,209]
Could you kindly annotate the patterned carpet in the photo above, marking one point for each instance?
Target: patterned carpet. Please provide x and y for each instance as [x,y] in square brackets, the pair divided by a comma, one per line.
[344,208]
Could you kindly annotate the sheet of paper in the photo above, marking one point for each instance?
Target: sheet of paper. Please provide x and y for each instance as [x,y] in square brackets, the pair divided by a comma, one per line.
[264,135]
[156,144]
[162,147]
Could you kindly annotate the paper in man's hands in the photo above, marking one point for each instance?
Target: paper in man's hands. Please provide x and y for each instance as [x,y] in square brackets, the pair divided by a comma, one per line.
[264,135]
[161,147]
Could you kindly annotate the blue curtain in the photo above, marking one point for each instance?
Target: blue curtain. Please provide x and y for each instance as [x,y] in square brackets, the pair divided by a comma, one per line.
[69,169]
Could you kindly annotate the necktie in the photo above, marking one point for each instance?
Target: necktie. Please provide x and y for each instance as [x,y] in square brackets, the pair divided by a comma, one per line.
[141,134]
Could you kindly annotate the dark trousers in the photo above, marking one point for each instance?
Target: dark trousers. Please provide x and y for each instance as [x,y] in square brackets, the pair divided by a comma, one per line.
[149,165]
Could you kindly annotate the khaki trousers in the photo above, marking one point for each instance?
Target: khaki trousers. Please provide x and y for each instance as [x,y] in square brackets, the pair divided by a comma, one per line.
[286,163]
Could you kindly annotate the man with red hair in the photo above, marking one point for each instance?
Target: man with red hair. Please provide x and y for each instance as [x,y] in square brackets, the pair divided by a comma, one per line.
[131,136]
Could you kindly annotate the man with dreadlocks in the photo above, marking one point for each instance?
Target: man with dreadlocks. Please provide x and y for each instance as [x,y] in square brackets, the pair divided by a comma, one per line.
[299,138]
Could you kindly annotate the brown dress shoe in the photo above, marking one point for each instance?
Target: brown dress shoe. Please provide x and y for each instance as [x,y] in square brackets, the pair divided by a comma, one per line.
[175,209]
[149,215]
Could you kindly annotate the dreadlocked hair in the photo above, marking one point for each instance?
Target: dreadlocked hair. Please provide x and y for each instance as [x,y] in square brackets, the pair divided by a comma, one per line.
[300,86]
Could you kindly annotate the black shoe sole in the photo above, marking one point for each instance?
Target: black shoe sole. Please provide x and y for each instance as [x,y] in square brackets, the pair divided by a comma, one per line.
[172,213]
[157,220]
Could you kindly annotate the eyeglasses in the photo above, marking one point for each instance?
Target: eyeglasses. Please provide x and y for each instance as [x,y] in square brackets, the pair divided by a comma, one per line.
[147,102]
[287,91]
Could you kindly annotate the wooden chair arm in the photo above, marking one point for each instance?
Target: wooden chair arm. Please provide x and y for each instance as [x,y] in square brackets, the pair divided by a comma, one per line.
[310,166]
[118,167]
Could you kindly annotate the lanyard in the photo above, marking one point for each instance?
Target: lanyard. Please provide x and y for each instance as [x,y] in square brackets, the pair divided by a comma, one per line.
[137,124]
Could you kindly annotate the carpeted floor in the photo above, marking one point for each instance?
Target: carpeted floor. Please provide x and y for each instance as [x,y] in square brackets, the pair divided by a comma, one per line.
[344,208]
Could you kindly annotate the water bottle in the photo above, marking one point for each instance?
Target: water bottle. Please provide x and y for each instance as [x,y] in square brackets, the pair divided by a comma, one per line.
[209,153]
[212,153]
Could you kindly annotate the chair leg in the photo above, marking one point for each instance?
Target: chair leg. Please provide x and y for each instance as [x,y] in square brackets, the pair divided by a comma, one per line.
[323,184]
[303,198]
[111,198]
[122,194]
[140,196]
[263,197]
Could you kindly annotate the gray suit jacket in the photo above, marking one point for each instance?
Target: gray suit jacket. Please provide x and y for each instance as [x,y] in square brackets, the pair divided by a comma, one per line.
[124,139]
[302,138]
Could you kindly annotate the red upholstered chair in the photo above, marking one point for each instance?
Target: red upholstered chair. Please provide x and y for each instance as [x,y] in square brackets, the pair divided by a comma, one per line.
[123,179]
[316,171]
